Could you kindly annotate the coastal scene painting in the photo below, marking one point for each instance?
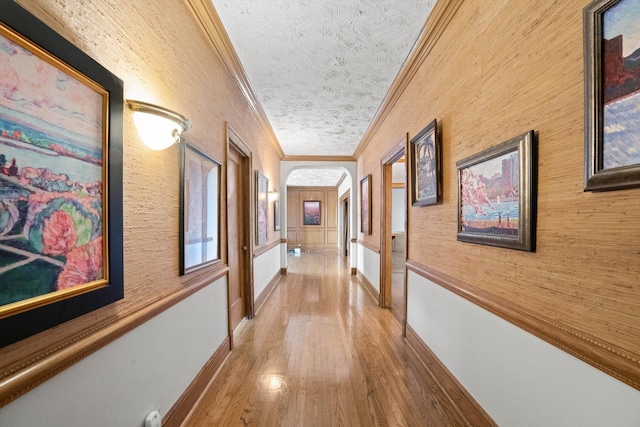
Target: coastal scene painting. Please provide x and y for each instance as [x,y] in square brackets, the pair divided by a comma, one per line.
[52,192]
[489,196]
[621,84]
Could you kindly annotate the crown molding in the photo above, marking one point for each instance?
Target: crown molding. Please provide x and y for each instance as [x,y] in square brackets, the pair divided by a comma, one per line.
[319,158]
[208,19]
[436,24]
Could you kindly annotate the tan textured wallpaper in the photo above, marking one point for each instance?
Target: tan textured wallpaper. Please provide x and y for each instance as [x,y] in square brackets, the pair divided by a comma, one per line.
[496,73]
[161,54]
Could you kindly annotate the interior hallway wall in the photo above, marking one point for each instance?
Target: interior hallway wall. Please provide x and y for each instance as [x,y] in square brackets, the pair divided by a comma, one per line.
[160,52]
[493,74]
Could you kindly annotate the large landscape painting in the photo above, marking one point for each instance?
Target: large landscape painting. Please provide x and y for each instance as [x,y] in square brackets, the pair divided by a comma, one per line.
[52,179]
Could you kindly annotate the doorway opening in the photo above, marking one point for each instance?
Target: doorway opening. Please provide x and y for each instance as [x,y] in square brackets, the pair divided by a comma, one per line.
[240,276]
[393,225]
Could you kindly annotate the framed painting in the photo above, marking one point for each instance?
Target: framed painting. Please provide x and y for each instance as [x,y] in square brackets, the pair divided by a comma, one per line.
[276,215]
[262,208]
[496,195]
[425,162]
[199,210]
[365,205]
[60,179]
[311,212]
[612,95]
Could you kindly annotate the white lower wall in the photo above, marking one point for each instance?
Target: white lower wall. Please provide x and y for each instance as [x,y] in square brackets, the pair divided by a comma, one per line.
[265,267]
[146,369]
[519,379]
[369,265]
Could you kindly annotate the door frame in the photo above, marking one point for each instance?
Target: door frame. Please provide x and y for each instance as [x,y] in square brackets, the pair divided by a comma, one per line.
[345,230]
[235,142]
[399,149]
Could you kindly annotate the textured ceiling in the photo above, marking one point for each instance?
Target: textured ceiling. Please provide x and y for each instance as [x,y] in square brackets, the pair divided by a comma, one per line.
[321,68]
[315,177]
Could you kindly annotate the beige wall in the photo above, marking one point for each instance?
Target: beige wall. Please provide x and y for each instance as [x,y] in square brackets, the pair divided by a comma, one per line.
[324,235]
[159,51]
[497,72]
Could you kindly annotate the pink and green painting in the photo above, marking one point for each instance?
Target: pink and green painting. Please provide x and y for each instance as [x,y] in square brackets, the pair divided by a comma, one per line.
[311,212]
[490,196]
[51,175]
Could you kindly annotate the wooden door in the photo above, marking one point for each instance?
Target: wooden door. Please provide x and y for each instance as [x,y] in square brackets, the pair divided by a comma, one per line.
[236,233]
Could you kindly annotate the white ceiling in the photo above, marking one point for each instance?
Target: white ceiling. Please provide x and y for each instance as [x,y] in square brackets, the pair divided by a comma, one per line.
[311,177]
[321,68]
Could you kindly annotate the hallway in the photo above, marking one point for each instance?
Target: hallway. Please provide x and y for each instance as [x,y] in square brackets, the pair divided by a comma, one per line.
[321,353]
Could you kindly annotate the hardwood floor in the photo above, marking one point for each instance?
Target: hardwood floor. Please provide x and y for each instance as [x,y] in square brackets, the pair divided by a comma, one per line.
[321,353]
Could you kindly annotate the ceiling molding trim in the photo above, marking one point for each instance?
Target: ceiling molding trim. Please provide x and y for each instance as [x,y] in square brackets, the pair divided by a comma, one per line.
[208,19]
[436,24]
[319,158]
[341,180]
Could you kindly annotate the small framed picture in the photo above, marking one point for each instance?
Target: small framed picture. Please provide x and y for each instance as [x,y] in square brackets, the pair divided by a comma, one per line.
[262,208]
[311,212]
[612,95]
[425,163]
[276,215]
[496,195]
[365,205]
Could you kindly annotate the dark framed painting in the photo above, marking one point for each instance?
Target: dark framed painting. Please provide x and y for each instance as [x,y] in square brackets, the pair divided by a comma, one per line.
[612,95]
[262,208]
[276,215]
[199,210]
[311,213]
[425,163]
[496,195]
[60,179]
[365,205]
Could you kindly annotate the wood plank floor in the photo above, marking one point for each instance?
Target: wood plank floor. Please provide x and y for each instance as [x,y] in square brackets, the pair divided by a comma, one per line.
[322,353]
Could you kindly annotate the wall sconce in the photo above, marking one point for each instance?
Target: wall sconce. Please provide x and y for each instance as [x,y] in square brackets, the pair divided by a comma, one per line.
[274,195]
[158,127]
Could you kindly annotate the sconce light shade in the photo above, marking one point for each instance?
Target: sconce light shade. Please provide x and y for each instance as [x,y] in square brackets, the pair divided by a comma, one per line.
[274,195]
[158,127]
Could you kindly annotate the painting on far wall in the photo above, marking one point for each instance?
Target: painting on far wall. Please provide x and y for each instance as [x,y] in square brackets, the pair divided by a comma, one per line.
[311,212]
[612,92]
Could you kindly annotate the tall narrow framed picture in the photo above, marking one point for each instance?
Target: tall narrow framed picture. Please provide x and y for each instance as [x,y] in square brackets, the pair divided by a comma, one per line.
[276,215]
[60,179]
[262,209]
[200,210]
[425,163]
[365,205]
[612,95]
[496,195]
[311,212]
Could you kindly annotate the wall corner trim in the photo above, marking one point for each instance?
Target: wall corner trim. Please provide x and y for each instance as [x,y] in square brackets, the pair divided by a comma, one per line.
[266,292]
[458,396]
[185,404]
[368,286]
[613,360]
